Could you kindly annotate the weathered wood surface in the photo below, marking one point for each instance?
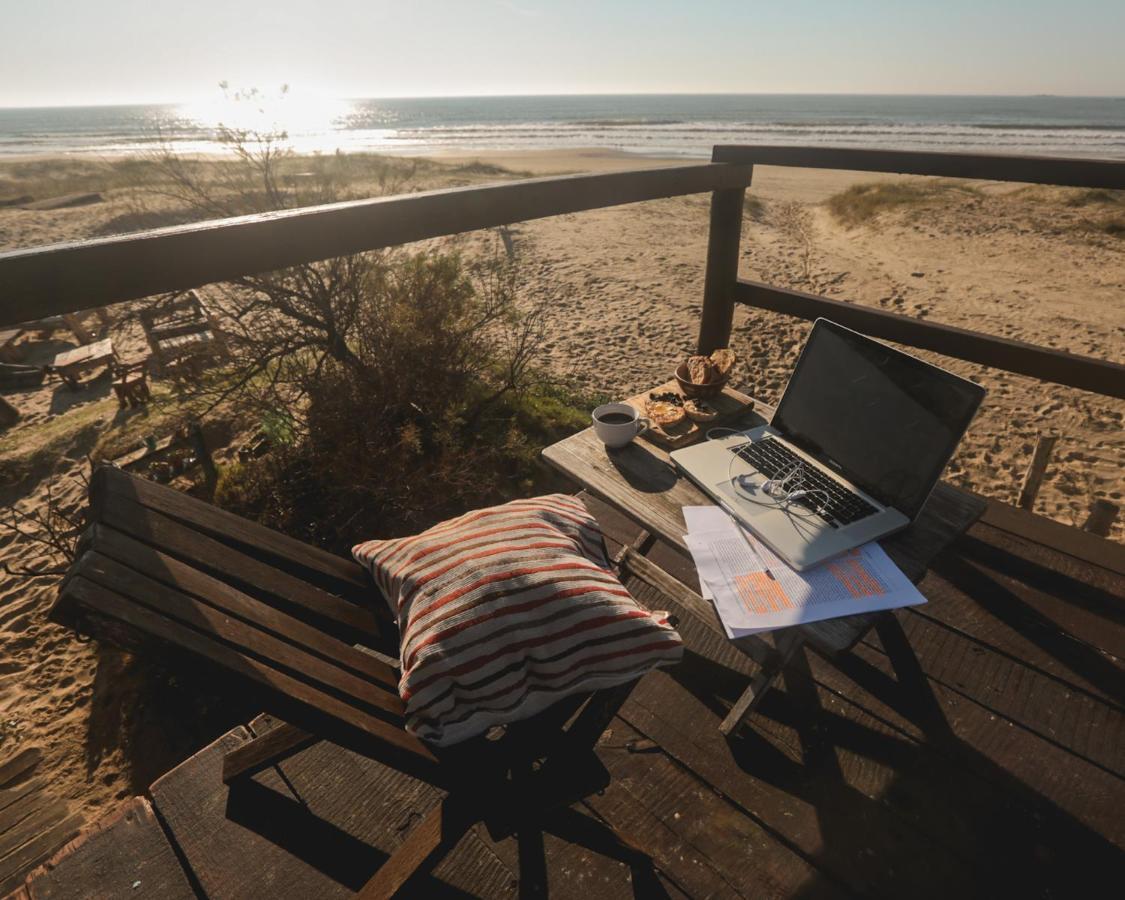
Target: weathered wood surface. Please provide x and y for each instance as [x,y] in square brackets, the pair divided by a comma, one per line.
[125,854]
[944,756]
[34,823]
[1101,376]
[723,241]
[265,750]
[127,523]
[322,830]
[88,355]
[65,277]
[19,764]
[107,615]
[238,622]
[333,573]
[1057,537]
[1068,172]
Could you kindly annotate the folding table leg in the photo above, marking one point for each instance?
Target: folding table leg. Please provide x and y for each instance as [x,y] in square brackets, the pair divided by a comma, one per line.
[277,744]
[788,643]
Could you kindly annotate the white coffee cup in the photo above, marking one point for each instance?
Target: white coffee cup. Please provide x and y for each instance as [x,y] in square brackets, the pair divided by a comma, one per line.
[616,424]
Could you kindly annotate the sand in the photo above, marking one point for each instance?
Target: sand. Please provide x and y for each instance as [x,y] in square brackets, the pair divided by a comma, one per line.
[624,286]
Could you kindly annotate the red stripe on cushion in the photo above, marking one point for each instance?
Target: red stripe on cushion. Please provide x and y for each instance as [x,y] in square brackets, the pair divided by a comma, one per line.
[498,615]
[424,620]
[516,506]
[471,536]
[652,647]
[575,563]
[479,661]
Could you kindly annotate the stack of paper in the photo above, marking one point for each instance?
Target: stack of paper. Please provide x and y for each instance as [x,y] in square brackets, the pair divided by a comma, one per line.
[754,590]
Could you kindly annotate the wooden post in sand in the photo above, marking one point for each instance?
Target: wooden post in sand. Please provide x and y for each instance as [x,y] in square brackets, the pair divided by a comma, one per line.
[199,445]
[1101,518]
[1033,478]
[723,241]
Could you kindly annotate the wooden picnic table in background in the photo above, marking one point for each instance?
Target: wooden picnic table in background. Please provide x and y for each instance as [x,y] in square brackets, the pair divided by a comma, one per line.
[70,365]
[641,481]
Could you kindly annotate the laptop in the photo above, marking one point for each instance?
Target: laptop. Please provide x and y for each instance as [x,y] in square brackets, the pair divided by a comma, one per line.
[858,441]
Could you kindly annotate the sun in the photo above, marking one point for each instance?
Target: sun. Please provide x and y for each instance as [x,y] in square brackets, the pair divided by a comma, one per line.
[279,112]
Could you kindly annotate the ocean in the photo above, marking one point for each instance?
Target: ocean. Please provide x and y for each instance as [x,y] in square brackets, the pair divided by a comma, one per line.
[658,125]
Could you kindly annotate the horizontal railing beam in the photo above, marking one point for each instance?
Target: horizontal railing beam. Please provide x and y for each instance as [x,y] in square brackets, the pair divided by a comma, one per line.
[1066,172]
[1096,375]
[63,278]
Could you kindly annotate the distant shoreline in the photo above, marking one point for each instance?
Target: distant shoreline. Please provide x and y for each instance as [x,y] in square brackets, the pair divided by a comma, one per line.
[658,125]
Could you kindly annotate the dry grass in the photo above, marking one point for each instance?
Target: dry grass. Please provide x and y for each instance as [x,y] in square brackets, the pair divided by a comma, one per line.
[351,174]
[862,203]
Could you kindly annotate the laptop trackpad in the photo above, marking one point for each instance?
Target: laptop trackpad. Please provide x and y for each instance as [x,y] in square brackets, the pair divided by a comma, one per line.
[751,504]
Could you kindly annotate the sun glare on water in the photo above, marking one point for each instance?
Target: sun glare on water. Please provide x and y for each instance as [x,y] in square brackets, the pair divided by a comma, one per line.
[307,121]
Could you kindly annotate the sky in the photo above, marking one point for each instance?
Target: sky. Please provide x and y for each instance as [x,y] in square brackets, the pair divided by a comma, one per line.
[77,52]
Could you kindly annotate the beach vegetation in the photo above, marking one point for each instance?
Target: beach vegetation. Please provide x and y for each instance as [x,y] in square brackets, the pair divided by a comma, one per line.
[862,203]
[754,208]
[1114,227]
[394,387]
[1095,197]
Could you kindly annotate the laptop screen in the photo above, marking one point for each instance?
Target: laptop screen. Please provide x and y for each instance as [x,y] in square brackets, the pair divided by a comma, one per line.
[886,421]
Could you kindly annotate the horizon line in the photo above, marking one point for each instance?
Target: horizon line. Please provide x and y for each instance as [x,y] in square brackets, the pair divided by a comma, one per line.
[183,101]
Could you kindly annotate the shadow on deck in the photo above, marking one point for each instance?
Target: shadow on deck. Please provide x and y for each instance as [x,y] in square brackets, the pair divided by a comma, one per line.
[969,747]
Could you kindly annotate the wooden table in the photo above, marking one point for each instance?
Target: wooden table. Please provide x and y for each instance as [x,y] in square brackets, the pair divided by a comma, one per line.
[70,364]
[642,482]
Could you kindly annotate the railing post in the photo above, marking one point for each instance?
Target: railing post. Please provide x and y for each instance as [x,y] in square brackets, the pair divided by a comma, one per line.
[722,269]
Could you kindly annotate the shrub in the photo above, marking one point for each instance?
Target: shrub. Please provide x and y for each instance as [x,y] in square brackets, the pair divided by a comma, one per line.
[863,202]
[395,387]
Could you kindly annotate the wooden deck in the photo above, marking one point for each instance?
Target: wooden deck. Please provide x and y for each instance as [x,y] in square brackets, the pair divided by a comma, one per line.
[972,747]
[34,823]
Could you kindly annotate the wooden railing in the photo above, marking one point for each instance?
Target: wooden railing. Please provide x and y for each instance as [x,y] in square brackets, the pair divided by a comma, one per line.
[724,288]
[64,278]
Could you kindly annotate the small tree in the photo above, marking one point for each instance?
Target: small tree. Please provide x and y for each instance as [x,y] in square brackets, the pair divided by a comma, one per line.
[393,371]
[285,328]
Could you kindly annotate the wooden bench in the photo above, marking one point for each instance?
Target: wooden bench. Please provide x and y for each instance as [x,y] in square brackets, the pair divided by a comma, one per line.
[182,330]
[304,631]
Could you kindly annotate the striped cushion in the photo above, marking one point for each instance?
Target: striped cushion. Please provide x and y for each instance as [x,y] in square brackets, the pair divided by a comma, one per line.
[504,611]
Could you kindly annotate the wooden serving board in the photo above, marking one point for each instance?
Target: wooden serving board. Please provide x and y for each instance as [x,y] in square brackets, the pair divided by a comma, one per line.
[729,404]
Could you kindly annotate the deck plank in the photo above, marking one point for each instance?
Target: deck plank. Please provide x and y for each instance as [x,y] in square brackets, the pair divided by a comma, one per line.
[259,579]
[19,764]
[1009,596]
[331,572]
[1000,750]
[124,855]
[319,831]
[944,791]
[695,832]
[373,807]
[851,837]
[1088,726]
[35,845]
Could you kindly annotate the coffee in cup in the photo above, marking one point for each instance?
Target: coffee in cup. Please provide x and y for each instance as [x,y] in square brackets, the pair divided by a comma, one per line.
[616,424]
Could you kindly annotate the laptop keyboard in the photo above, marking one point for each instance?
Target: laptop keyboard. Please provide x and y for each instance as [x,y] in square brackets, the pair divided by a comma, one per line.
[836,505]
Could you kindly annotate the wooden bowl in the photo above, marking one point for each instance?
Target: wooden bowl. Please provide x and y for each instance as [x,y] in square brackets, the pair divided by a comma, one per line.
[701,391]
